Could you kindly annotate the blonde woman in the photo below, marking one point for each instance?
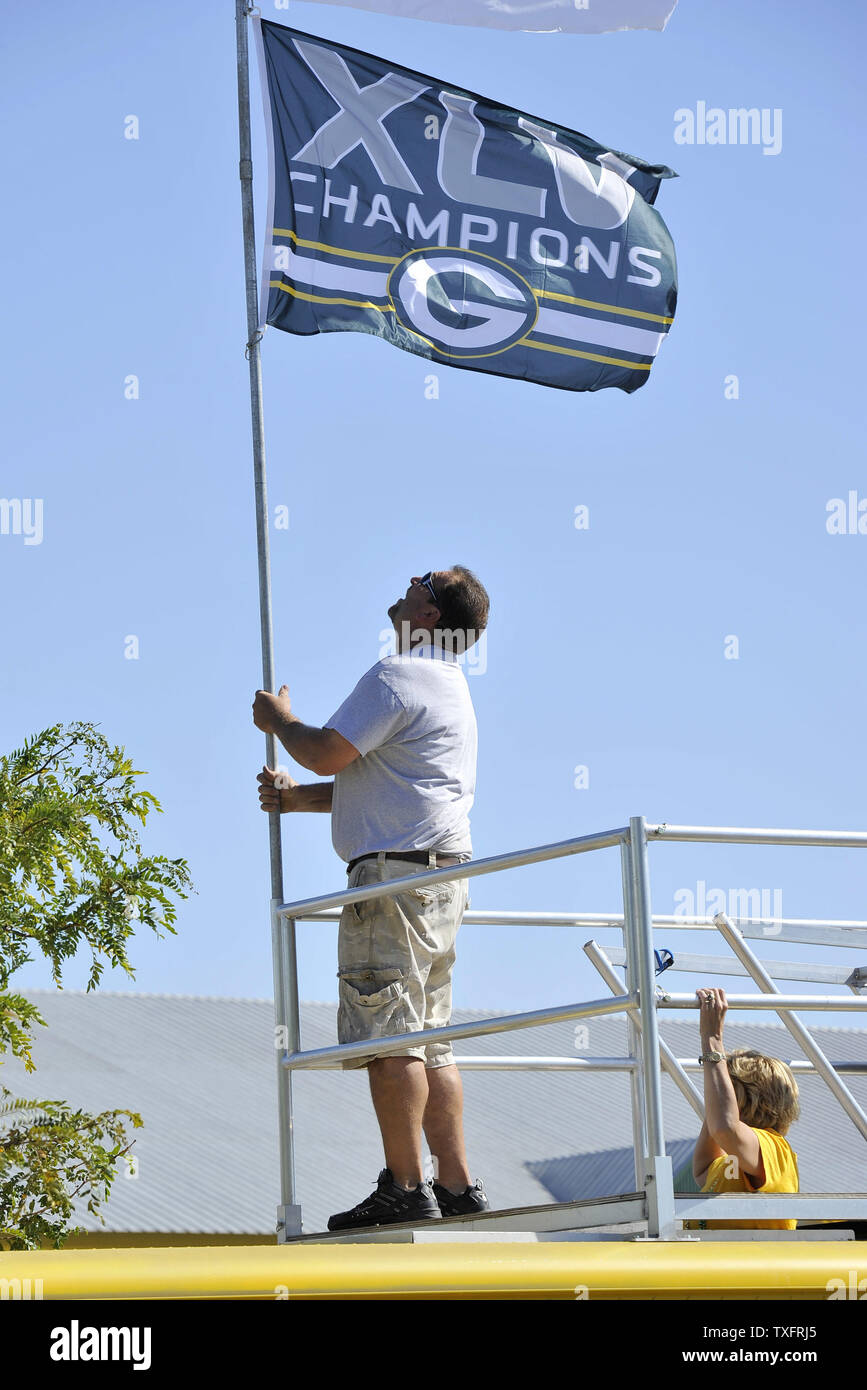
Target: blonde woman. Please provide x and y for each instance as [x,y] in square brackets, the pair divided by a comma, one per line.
[750,1102]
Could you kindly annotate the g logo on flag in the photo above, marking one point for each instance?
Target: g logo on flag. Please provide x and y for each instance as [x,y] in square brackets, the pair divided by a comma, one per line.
[463,303]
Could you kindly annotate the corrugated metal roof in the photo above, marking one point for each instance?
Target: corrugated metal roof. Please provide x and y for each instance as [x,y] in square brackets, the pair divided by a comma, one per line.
[603,1174]
[201,1072]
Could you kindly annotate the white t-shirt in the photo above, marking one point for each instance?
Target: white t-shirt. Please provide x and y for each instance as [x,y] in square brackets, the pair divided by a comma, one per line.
[412,720]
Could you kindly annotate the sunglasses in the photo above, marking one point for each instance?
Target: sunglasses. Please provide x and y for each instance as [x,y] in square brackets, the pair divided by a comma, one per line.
[426,582]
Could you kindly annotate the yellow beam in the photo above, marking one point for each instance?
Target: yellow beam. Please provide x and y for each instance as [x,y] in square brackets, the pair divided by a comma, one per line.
[522,1270]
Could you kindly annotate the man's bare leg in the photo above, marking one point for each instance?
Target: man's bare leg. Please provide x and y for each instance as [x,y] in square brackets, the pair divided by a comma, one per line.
[444,1127]
[399,1088]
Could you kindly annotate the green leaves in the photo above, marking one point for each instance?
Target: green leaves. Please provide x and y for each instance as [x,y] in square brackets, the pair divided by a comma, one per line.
[73,873]
[51,1157]
[17,1017]
[70,856]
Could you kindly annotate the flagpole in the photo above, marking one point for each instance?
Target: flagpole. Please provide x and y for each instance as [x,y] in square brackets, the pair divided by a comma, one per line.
[287,1031]
[254,358]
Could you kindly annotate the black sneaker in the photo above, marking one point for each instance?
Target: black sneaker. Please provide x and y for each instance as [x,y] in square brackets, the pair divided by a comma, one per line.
[462,1203]
[389,1203]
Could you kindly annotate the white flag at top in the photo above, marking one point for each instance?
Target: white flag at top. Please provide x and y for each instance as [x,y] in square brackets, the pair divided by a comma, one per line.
[534,16]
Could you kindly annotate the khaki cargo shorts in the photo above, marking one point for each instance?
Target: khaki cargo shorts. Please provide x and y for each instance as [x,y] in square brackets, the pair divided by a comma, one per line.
[395,958]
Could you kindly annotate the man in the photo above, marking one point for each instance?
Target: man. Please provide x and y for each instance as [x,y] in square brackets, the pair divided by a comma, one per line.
[402,749]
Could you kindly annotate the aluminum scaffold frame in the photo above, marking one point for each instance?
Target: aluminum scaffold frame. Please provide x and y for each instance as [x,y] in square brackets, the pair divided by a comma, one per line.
[637,996]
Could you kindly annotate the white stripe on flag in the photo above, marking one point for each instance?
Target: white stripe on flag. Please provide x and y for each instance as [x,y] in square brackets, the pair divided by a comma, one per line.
[327,275]
[578,328]
[533,16]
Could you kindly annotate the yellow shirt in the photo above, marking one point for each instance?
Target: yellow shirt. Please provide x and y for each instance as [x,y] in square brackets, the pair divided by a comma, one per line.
[781,1175]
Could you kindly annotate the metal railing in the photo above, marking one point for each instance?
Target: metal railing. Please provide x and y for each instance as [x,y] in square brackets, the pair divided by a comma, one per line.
[647,1054]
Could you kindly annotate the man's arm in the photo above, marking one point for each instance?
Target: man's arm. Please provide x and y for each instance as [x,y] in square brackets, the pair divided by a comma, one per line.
[323,751]
[277,791]
[720,1102]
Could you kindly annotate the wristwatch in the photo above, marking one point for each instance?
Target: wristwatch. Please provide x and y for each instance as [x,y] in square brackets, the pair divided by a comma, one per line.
[712,1056]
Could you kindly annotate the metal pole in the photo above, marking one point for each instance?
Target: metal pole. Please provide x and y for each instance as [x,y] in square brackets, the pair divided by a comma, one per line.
[286,1007]
[794,1025]
[627,1064]
[633,1038]
[659,1179]
[471,868]
[687,964]
[643,929]
[773,1003]
[257,418]
[508,1023]
[582,1064]
[738,835]
[286,1041]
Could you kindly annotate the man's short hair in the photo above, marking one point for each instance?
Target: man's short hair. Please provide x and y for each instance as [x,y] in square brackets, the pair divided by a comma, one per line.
[765,1089]
[463,604]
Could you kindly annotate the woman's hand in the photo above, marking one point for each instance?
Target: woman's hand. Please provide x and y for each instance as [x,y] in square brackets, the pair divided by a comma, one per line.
[712,1012]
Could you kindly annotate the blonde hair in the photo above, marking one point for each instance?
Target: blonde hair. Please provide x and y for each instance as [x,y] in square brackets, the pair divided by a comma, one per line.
[765,1089]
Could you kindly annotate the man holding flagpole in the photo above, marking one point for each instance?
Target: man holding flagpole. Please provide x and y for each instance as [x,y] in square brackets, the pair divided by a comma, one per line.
[482,238]
[402,751]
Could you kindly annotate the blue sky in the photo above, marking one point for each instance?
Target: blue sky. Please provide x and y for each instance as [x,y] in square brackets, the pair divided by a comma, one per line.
[606,647]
